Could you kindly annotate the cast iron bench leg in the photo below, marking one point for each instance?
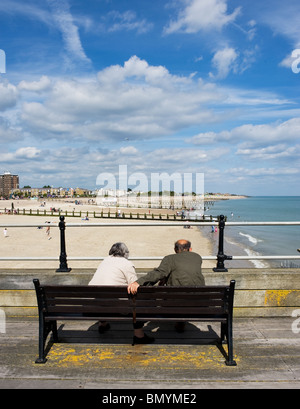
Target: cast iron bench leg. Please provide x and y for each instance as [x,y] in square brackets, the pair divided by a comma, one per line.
[41,359]
[230,361]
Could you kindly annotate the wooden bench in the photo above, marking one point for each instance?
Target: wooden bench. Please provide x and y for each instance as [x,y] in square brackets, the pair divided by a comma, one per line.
[112,303]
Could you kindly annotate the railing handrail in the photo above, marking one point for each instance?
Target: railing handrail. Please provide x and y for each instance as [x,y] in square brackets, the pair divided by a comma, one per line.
[95,258]
[220,257]
[153,224]
[263,223]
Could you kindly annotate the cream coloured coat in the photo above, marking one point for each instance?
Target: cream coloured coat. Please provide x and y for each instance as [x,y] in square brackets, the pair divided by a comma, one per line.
[114,271]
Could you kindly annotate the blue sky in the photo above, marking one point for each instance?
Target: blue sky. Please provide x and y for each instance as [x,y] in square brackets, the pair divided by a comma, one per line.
[175,86]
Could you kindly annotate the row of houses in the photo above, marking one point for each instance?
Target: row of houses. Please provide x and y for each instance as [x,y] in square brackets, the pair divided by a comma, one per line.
[9,187]
[50,192]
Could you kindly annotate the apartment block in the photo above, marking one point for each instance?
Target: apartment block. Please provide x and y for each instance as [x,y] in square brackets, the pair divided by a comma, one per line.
[8,182]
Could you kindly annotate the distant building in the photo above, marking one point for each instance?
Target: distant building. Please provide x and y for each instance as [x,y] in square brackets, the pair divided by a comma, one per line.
[31,192]
[8,182]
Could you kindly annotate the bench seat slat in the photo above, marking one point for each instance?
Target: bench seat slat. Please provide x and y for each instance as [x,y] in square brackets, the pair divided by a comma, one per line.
[187,312]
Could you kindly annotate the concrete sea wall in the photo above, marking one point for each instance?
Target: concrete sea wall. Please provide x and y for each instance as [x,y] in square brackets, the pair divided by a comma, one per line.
[259,292]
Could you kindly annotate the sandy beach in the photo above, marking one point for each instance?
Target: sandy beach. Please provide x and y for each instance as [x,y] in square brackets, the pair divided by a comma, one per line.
[87,241]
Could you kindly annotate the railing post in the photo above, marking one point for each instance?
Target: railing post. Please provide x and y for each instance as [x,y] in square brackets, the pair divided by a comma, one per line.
[63,266]
[221,256]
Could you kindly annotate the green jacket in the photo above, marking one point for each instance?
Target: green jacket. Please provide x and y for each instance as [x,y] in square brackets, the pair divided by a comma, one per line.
[179,269]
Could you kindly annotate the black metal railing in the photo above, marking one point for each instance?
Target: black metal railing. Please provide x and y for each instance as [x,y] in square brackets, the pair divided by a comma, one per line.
[221,222]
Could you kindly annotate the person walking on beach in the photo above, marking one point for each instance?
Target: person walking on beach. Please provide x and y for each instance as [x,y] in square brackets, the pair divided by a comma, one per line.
[116,269]
[180,269]
[5,233]
[48,232]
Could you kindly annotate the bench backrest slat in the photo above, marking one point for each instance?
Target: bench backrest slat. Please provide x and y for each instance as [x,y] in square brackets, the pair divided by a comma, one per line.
[182,300]
[87,300]
[179,303]
[149,302]
[85,291]
[87,309]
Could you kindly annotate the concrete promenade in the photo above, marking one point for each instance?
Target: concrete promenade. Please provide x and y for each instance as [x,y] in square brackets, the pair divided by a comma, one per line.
[266,340]
[267,351]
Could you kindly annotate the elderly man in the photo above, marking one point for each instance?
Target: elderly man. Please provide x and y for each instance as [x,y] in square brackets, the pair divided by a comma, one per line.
[180,269]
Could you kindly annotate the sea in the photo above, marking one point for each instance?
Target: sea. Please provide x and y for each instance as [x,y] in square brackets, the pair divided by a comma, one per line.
[259,240]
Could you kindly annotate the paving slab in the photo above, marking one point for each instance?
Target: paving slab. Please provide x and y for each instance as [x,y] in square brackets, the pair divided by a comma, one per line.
[266,350]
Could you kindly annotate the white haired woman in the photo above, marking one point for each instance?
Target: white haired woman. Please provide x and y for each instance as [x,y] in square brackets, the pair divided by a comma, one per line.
[116,269]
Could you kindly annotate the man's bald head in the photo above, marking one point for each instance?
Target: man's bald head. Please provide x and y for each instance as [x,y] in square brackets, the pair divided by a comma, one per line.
[182,245]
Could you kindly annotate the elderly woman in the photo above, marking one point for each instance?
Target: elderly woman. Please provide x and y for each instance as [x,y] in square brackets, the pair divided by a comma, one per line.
[116,269]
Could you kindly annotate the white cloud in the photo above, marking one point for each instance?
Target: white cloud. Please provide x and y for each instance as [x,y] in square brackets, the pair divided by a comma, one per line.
[8,134]
[260,135]
[21,154]
[229,60]
[136,100]
[8,96]
[287,61]
[251,136]
[178,156]
[139,70]
[59,17]
[280,151]
[159,160]
[262,172]
[206,138]
[199,15]
[128,21]
[283,18]
[65,23]
[31,11]
[39,118]
[254,97]
[29,152]
[128,150]
[43,84]
[224,62]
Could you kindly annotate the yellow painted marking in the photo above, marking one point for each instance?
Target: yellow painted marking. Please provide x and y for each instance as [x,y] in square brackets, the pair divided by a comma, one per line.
[122,356]
[278,298]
